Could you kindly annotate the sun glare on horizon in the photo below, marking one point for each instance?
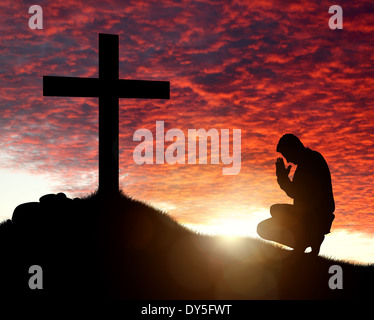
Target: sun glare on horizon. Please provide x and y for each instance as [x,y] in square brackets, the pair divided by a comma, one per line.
[354,247]
[240,224]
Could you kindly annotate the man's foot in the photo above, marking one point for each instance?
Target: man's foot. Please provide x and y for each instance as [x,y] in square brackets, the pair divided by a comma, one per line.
[316,245]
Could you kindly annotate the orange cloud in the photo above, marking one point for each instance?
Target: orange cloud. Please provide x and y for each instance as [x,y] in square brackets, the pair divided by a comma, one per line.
[266,67]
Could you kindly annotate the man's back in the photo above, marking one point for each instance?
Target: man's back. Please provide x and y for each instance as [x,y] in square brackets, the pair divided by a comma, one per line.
[312,184]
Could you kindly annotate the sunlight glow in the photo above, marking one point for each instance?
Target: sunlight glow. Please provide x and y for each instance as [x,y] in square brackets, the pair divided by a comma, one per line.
[20,187]
[230,222]
[352,246]
[241,224]
[339,244]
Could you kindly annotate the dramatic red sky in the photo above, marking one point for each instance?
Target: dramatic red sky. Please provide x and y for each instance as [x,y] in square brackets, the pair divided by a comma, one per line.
[265,67]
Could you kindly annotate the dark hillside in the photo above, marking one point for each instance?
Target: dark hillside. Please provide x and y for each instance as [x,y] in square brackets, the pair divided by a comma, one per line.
[121,248]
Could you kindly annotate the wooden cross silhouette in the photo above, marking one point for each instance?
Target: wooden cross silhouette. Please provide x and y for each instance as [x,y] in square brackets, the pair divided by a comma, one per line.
[108,88]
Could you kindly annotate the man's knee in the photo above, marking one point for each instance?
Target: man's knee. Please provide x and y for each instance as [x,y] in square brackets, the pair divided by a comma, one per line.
[274,208]
[263,229]
[281,209]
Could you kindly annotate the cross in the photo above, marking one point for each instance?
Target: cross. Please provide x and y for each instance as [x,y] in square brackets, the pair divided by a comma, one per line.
[108,88]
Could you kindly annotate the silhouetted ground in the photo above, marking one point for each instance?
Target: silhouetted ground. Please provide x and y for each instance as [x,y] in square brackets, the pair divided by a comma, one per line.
[121,248]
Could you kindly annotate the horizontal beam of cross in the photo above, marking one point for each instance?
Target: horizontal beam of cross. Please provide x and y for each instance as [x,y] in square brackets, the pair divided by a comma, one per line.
[94,87]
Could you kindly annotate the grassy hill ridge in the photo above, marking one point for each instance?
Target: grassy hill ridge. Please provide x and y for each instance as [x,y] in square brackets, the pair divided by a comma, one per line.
[118,247]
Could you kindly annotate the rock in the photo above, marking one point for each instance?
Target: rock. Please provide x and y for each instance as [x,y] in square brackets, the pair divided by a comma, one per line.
[26,213]
[53,198]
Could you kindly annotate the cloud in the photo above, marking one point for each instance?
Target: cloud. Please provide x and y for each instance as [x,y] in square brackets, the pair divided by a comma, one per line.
[266,67]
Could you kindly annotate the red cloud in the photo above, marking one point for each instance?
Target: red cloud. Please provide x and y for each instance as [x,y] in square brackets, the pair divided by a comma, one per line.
[266,67]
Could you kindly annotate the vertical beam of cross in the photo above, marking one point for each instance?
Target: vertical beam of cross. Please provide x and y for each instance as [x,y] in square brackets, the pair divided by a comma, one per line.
[108,114]
[108,88]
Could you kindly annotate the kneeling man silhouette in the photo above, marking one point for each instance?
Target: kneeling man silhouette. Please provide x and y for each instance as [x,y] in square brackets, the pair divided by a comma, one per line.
[305,223]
